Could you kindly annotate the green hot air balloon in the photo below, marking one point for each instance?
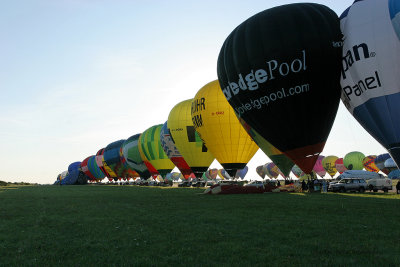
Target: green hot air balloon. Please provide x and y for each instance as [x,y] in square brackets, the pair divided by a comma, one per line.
[130,150]
[152,152]
[354,160]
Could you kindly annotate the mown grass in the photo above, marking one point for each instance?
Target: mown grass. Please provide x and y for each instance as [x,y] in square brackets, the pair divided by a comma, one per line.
[145,226]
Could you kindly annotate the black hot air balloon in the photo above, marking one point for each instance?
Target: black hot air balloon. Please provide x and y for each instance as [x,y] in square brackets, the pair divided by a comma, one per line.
[280,71]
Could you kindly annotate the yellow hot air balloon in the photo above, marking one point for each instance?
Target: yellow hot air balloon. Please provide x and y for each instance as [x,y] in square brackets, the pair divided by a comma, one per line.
[329,165]
[152,152]
[216,122]
[187,140]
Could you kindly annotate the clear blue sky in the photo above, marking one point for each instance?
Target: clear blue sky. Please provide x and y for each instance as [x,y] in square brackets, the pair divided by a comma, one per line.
[77,75]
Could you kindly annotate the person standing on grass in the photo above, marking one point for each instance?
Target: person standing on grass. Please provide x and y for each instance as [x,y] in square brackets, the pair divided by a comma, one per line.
[398,187]
[303,186]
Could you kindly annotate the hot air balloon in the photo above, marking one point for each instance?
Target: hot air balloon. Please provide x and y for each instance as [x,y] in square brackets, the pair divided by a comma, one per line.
[354,160]
[281,67]
[211,174]
[380,162]
[395,174]
[340,166]
[60,177]
[329,165]
[297,171]
[94,168]
[152,153]
[172,151]
[223,174]
[215,121]
[272,170]
[318,167]
[370,78]
[390,165]
[242,172]
[369,163]
[100,162]
[73,174]
[85,168]
[260,171]
[174,176]
[111,159]
[126,171]
[130,151]
[187,140]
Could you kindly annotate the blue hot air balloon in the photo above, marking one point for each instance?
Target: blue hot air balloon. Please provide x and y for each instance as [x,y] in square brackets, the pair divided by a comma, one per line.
[370,77]
[73,173]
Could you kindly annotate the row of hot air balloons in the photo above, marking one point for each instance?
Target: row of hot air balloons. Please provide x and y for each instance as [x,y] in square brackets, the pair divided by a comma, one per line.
[180,141]
[286,67]
[332,165]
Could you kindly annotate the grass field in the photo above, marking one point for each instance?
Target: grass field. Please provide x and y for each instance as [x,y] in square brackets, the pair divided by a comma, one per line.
[144,226]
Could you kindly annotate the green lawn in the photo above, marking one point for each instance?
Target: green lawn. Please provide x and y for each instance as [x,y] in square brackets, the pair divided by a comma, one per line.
[143,226]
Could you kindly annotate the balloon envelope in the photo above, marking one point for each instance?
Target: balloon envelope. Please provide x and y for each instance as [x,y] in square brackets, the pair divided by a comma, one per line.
[297,171]
[172,151]
[260,171]
[272,170]
[187,140]
[370,78]
[318,167]
[130,151]
[215,121]
[112,160]
[354,160]
[74,166]
[395,174]
[242,172]
[211,174]
[369,163]
[281,67]
[380,162]
[390,165]
[94,169]
[100,162]
[340,166]
[85,168]
[152,153]
[223,174]
[329,165]
[73,174]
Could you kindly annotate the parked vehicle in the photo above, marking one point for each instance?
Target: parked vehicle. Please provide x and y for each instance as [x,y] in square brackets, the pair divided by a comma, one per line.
[384,184]
[349,184]
[360,174]
[258,184]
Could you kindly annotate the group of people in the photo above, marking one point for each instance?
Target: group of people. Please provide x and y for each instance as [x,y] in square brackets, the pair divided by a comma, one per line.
[314,185]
